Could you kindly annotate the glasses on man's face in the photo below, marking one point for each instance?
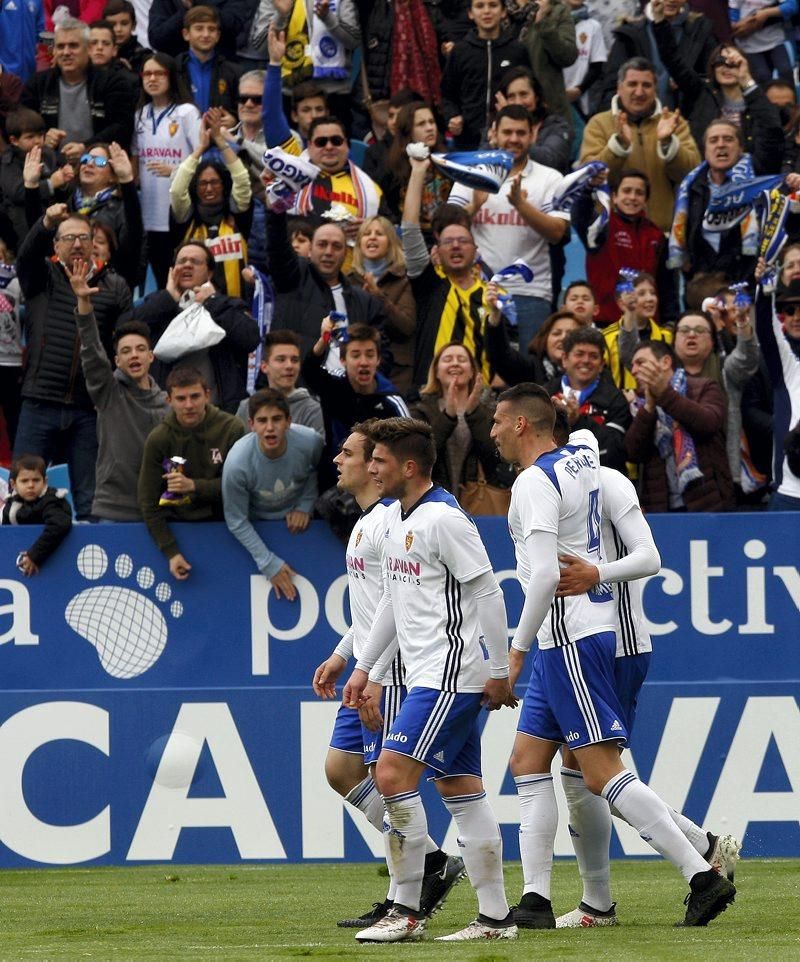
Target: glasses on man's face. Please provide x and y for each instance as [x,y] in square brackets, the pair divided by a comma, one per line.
[686,330]
[153,74]
[71,238]
[250,99]
[209,184]
[449,241]
[336,141]
[94,160]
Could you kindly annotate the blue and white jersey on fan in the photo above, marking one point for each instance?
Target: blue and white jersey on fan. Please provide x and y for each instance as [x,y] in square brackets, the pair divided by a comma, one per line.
[558,494]
[365,580]
[428,553]
[618,499]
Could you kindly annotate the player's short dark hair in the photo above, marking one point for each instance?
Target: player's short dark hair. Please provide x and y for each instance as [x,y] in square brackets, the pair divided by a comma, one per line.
[514,112]
[307,90]
[561,430]
[277,338]
[185,376]
[27,462]
[210,263]
[660,349]
[268,398]
[584,335]
[114,7]
[630,173]
[23,120]
[326,122]
[361,332]
[724,122]
[364,428]
[139,328]
[534,403]
[409,439]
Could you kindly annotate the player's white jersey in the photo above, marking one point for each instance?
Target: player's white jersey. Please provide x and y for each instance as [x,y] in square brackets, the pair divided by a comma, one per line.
[619,497]
[560,493]
[365,580]
[428,554]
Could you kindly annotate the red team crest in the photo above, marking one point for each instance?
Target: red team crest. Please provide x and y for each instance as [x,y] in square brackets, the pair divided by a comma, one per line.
[358,538]
[173,128]
[409,540]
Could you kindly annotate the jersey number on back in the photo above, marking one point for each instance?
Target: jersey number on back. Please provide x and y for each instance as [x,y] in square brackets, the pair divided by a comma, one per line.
[593,522]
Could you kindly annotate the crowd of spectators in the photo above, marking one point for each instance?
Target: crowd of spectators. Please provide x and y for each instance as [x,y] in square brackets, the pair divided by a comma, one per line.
[135,205]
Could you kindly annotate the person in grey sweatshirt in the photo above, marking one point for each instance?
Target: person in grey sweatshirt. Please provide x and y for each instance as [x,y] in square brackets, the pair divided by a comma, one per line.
[280,365]
[129,403]
[271,475]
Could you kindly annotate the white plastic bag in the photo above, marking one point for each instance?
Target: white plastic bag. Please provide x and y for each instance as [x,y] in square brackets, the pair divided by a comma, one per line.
[194,329]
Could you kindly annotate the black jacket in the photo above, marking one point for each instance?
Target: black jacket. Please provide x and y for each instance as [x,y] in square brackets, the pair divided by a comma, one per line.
[165,24]
[702,256]
[606,415]
[471,78]
[52,510]
[13,193]
[112,102]
[228,358]
[512,365]
[635,38]
[761,122]
[224,82]
[53,371]
[303,297]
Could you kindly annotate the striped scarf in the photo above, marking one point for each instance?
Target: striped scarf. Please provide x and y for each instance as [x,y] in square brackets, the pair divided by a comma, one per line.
[742,171]
[367,198]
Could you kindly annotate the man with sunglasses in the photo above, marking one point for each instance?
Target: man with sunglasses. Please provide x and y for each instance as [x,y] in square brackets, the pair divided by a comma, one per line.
[58,420]
[81,104]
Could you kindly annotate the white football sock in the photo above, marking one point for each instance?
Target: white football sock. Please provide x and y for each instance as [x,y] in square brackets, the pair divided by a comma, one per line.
[645,811]
[538,821]
[406,846]
[366,798]
[694,833]
[590,834]
[481,847]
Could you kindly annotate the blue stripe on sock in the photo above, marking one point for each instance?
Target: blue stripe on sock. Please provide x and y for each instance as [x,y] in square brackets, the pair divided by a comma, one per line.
[571,773]
[464,798]
[402,797]
[618,787]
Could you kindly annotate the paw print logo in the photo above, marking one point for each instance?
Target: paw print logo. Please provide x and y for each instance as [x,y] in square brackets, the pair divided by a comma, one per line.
[125,626]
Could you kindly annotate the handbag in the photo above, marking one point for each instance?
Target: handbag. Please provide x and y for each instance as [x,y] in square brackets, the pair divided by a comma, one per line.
[480,497]
[194,329]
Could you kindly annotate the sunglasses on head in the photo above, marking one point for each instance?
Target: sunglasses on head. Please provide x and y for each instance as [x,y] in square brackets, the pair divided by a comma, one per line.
[336,141]
[98,161]
[249,98]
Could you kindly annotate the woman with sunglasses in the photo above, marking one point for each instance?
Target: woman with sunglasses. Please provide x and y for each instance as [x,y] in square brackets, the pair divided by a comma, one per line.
[166,131]
[729,91]
[106,193]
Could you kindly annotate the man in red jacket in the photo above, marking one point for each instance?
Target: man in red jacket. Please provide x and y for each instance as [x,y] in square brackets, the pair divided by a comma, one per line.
[629,240]
[678,433]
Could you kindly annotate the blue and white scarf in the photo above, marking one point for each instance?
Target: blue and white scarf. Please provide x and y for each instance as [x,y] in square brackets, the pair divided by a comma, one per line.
[576,184]
[674,441]
[741,173]
[328,55]
[262,308]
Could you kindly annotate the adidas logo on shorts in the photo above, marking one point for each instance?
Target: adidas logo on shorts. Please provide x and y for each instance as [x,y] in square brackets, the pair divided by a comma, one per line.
[439,757]
[615,726]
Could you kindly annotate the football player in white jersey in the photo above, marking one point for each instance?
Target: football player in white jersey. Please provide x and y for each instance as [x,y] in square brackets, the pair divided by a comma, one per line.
[444,608]
[354,747]
[631,554]
[571,697]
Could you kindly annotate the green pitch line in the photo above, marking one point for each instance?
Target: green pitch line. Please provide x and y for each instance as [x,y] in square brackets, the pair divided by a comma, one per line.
[289,912]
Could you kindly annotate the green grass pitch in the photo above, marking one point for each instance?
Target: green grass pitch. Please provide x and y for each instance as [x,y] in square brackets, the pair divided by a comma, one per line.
[289,912]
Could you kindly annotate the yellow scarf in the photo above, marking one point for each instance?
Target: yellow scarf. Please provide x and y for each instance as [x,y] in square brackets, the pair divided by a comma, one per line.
[231,267]
[296,65]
